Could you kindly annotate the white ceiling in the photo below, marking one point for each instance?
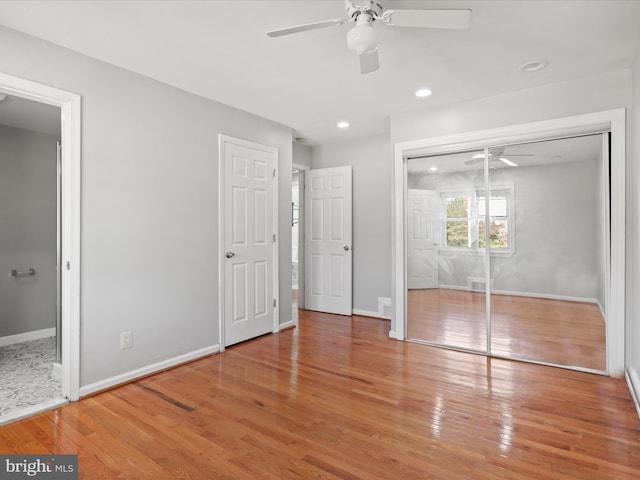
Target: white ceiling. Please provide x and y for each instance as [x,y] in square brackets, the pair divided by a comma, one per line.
[309,81]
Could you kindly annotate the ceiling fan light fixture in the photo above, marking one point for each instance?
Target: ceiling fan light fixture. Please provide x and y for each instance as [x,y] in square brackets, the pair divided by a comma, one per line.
[361,39]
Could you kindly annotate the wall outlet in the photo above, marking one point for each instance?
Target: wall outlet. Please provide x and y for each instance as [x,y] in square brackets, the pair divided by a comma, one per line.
[126,339]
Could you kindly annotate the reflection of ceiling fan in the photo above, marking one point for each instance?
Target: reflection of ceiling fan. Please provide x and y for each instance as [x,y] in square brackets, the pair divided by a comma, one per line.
[497,158]
[362,40]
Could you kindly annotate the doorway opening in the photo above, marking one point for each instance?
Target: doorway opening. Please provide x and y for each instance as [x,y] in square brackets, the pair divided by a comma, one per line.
[295,243]
[39,247]
[30,350]
[298,174]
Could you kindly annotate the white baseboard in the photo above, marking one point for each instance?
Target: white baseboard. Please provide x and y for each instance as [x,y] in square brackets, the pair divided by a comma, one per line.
[394,335]
[148,370]
[547,296]
[633,381]
[286,325]
[366,313]
[27,336]
[527,294]
[383,302]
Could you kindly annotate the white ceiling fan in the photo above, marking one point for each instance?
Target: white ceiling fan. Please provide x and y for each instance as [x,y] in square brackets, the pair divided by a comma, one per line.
[497,157]
[361,39]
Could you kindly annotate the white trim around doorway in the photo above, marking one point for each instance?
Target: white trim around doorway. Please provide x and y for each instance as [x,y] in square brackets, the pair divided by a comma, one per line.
[611,120]
[69,104]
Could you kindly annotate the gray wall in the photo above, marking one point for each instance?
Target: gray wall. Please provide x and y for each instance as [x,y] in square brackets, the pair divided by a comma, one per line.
[302,155]
[28,233]
[149,205]
[371,160]
[557,232]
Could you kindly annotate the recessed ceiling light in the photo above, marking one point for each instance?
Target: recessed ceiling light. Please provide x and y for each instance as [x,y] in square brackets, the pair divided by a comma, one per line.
[423,92]
[343,124]
[434,169]
[534,66]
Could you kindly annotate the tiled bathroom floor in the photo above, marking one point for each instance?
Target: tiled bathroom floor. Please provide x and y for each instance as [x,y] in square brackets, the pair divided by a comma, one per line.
[26,377]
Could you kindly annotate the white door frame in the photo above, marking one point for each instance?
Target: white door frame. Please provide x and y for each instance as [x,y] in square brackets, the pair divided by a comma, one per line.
[69,104]
[301,264]
[222,139]
[613,120]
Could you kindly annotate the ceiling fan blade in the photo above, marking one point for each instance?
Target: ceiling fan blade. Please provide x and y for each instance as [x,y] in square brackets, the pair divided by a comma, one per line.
[307,26]
[506,161]
[369,62]
[474,161]
[455,19]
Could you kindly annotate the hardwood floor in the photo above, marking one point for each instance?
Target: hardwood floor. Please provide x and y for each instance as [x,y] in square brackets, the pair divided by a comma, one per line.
[553,331]
[337,398]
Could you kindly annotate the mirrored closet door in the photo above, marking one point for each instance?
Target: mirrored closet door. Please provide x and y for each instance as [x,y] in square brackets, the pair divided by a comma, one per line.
[446,299]
[548,243]
[510,244]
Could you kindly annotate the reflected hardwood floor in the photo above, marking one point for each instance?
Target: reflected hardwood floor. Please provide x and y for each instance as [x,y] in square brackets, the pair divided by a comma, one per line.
[553,331]
[337,398]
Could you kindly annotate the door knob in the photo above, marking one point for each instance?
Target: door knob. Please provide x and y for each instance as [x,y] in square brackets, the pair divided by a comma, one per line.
[346,248]
[229,254]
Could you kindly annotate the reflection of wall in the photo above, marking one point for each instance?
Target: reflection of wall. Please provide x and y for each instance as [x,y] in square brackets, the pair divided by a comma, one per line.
[558,232]
[601,233]
[28,233]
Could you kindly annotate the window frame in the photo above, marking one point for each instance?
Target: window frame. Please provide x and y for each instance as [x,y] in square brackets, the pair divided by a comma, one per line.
[474,194]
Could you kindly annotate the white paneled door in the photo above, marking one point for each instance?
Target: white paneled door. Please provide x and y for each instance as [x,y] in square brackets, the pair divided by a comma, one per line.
[328,240]
[422,239]
[248,239]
